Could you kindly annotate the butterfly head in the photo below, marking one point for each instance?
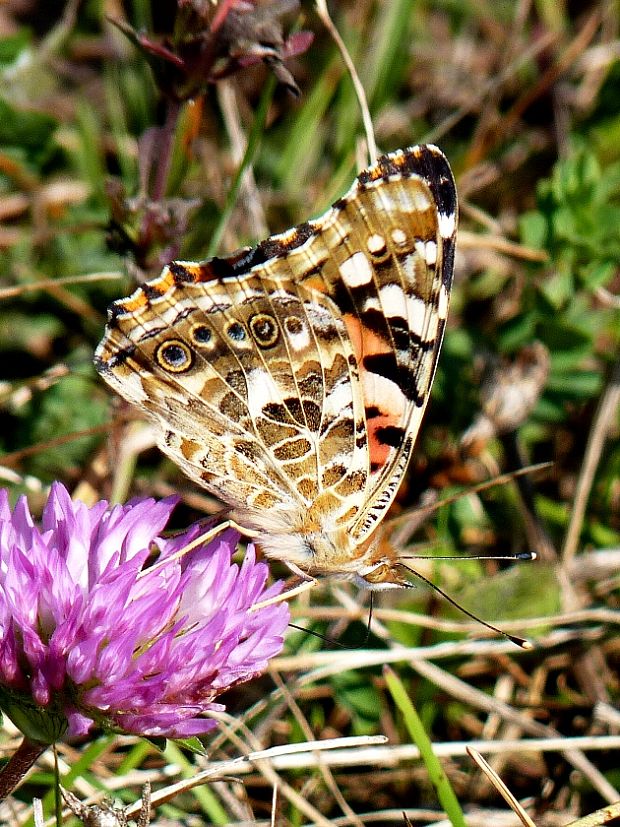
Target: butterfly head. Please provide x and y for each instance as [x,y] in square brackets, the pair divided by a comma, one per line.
[378,567]
[381,575]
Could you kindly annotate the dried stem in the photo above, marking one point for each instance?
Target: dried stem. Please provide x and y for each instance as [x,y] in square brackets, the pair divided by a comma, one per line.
[605,413]
[164,150]
[12,774]
[321,7]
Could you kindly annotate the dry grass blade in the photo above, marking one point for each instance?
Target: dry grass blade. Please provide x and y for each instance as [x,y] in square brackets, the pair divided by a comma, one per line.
[606,816]
[476,241]
[229,767]
[606,412]
[321,7]
[394,755]
[459,689]
[14,457]
[501,788]
[54,284]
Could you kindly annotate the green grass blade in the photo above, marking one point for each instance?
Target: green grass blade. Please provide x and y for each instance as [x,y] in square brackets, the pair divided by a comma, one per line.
[251,150]
[205,797]
[438,778]
[384,68]
[305,142]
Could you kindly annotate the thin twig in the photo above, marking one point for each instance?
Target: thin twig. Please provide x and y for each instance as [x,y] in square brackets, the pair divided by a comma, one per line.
[48,284]
[605,413]
[323,13]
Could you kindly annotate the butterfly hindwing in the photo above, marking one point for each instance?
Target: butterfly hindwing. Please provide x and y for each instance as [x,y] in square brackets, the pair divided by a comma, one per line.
[249,379]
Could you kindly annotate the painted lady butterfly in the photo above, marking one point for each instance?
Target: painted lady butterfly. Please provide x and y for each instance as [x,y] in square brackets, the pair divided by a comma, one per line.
[290,379]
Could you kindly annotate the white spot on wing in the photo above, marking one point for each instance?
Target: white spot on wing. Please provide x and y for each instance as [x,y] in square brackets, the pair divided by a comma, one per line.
[399,236]
[299,341]
[261,390]
[429,333]
[339,400]
[419,201]
[447,224]
[408,267]
[375,243]
[356,270]
[132,386]
[381,390]
[417,313]
[372,303]
[427,250]
[393,300]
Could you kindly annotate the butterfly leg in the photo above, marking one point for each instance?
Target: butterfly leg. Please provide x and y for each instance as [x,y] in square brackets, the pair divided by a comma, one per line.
[202,539]
[309,583]
[302,574]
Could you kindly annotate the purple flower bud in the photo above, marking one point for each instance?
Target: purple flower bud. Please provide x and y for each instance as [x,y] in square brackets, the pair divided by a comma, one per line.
[91,635]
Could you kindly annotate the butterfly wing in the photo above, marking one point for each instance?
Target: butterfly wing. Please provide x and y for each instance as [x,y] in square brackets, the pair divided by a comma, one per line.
[391,276]
[250,378]
[290,379]
[384,254]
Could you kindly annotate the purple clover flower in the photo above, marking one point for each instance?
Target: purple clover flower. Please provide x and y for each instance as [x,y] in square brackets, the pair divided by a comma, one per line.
[88,636]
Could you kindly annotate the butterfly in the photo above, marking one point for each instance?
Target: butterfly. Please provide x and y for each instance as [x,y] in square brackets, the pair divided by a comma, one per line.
[290,379]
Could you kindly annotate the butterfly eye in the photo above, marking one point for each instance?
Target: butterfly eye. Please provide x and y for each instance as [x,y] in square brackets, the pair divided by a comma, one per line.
[264,329]
[174,356]
[201,334]
[236,332]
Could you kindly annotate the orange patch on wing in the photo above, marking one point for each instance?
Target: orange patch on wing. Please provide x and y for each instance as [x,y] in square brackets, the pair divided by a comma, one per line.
[164,283]
[378,451]
[316,283]
[137,301]
[367,343]
[199,272]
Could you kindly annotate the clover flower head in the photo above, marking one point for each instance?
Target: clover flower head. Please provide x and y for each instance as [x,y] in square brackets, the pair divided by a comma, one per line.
[91,635]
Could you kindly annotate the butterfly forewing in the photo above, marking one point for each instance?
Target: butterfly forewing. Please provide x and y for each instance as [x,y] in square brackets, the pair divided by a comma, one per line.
[384,253]
[290,379]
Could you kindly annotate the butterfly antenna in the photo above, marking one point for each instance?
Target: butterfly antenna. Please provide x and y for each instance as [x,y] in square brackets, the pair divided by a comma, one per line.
[337,643]
[519,641]
[314,633]
[502,479]
[521,555]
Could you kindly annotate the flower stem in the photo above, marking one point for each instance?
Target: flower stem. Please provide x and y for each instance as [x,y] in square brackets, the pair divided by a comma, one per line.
[164,154]
[18,765]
